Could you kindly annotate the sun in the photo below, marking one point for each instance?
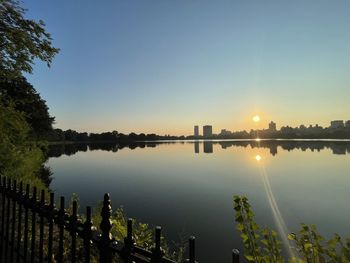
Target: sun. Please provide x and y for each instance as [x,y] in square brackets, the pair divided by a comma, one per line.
[258,157]
[256,118]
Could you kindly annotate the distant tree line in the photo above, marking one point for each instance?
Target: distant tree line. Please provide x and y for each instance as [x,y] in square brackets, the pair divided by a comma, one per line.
[58,135]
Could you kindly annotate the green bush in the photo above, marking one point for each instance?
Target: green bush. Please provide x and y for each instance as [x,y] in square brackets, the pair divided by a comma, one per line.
[262,245]
[19,158]
[143,233]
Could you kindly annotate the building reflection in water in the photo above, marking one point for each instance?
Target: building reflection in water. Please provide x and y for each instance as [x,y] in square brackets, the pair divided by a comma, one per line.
[273,150]
[337,147]
[208,147]
[196,147]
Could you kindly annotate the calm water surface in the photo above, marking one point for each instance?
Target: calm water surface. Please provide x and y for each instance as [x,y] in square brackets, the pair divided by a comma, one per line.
[188,187]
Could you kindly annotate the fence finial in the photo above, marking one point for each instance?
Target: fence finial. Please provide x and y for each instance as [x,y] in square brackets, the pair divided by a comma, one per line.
[235,256]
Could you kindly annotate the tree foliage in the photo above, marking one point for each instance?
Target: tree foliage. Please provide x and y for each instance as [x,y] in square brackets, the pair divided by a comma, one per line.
[21,41]
[19,93]
[19,159]
[23,113]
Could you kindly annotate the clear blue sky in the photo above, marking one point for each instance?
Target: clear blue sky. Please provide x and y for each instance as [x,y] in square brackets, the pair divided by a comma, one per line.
[163,66]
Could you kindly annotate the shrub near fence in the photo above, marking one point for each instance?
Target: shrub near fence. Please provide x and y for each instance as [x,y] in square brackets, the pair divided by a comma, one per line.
[34,230]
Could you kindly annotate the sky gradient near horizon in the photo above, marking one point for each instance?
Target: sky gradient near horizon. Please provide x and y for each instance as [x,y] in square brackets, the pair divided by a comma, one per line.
[165,65]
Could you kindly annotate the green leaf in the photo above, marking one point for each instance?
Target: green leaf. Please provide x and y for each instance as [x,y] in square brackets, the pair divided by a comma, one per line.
[250,258]
[291,236]
[244,237]
[307,246]
[239,226]
[239,219]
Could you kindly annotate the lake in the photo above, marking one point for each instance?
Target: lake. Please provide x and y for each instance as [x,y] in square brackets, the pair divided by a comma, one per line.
[188,187]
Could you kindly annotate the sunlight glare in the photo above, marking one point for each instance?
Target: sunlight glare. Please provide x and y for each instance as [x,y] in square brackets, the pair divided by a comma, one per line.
[256,118]
[258,157]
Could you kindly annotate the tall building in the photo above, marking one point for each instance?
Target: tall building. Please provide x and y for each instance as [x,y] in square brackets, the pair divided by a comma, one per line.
[196,131]
[272,126]
[207,131]
[347,124]
[337,124]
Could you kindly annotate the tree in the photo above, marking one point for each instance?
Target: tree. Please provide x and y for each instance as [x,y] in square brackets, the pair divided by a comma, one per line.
[21,41]
[24,98]
[19,158]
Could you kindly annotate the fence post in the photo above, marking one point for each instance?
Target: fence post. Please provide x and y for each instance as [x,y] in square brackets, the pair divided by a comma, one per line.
[41,231]
[33,207]
[50,219]
[129,242]
[19,224]
[61,220]
[2,187]
[8,207]
[157,252]
[25,230]
[235,256]
[13,227]
[73,231]
[105,226]
[87,234]
[192,258]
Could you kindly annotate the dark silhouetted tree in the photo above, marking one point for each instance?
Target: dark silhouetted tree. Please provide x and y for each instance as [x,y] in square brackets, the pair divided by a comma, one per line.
[20,94]
[21,41]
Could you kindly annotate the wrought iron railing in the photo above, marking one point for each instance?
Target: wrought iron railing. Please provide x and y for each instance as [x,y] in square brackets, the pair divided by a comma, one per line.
[34,230]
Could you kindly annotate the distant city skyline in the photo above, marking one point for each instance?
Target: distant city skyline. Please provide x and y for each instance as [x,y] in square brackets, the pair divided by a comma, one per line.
[208,130]
[160,66]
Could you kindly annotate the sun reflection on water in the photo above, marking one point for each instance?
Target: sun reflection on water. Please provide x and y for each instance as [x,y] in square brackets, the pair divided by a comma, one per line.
[280,223]
[258,157]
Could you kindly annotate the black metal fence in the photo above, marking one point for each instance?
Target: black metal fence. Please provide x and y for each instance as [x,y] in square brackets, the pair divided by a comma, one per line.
[33,229]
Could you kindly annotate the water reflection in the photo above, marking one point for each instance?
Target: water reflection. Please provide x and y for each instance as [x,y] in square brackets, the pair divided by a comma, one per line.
[258,158]
[337,147]
[177,186]
[208,147]
[196,147]
[274,207]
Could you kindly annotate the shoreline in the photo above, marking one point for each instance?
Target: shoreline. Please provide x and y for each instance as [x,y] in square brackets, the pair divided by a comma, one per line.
[206,140]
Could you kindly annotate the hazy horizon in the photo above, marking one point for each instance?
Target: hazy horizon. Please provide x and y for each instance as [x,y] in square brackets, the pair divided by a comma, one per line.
[164,66]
